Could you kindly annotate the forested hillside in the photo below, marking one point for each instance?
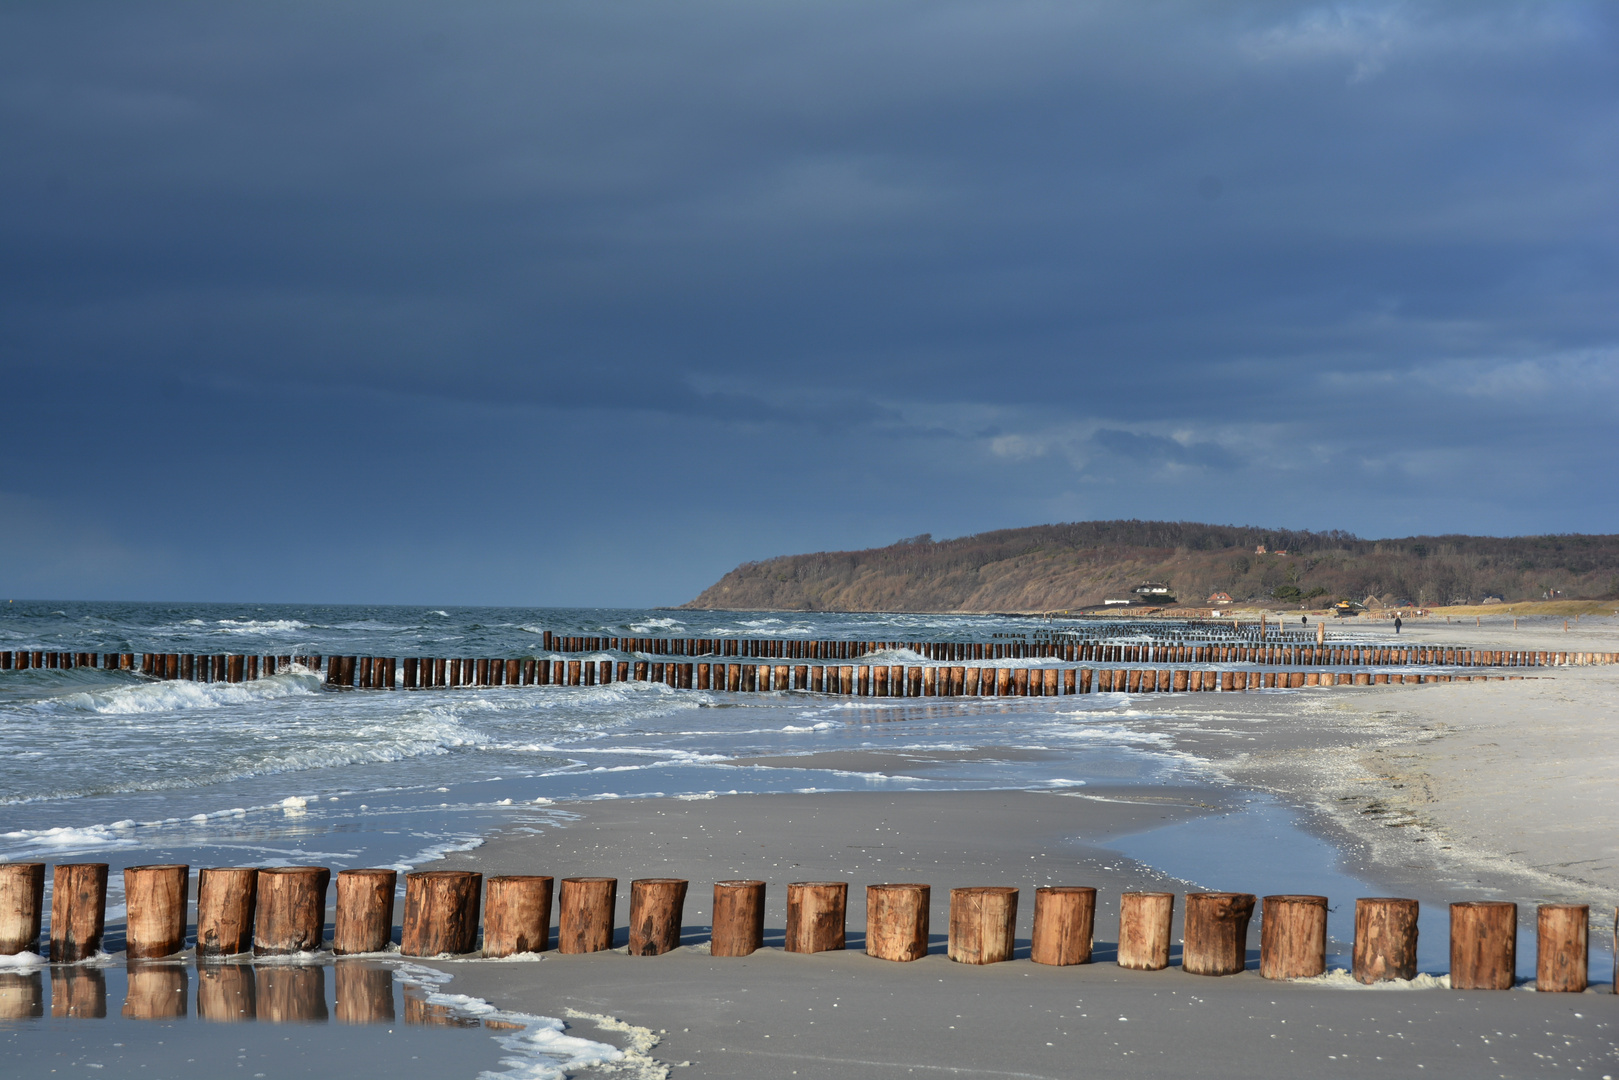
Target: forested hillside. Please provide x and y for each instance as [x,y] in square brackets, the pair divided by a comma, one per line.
[1064,567]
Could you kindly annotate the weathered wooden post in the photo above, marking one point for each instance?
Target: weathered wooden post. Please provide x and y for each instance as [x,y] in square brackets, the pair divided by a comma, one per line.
[364,922]
[156,901]
[290,915]
[1293,937]
[1216,938]
[441,912]
[22,906]
[585,923]
[739,917]
[816,915]
[983,924]
[1483,944]
[1064,924]
[656,908]
[78,911]
[225,899]
[1385,939]
[517,915]
[897,921]
[1563,954]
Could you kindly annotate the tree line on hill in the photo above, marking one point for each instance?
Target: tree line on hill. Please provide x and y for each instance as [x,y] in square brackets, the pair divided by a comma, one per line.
[1082,564]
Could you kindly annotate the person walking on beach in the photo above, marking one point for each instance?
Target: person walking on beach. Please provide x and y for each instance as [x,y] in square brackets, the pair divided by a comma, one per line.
[1396,624]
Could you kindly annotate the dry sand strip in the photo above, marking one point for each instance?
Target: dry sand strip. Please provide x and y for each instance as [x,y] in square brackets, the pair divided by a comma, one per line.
[845,1014]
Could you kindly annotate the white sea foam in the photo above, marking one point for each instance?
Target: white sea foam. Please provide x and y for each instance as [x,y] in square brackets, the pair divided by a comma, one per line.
[1341,979]
[64,838]
[21,960]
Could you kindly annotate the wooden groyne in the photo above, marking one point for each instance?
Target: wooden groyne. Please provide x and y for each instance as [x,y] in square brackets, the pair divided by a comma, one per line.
[284,909]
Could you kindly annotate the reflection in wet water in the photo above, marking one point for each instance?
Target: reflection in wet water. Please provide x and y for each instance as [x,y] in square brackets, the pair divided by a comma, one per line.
[22,995]
[291,993]
[226,993]
[155,991]
[365,993]
[79,992]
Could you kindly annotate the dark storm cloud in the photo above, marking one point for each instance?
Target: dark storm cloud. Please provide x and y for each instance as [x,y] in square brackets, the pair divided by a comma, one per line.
[772,277]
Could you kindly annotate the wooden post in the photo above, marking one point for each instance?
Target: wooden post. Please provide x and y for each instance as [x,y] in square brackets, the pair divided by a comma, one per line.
[1216,937]
[155,991]
[22,904]
[517,915]
[1483,945]
[364,994]
[983,924]
[1385,939]
[78,911]
[364,922]
[1563,954]
[225,992]
[441,912]
[225,897]
[897,921]
[585,923]
[739,918]
[1293,937]
[656,908]
[816,915]
[156,899]
[1064,924]
[290,913]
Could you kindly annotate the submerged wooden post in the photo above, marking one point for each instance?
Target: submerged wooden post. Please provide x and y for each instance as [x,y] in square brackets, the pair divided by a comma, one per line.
[22,905]
[1293,937]
[517,914]
[983,924]
[1216,938]
[1385,939]
[1483,944]
[364,922]
[225,898]
[656,908]
[156,901]
[441,912]
[1144,922]
[1563,953]
[816,915]
[1064,924]
[585,923]
[78,911]
[739,918]
[290,915]
[897,921]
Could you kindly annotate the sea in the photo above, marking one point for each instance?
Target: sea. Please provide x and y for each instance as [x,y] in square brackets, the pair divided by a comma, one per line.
[109,766]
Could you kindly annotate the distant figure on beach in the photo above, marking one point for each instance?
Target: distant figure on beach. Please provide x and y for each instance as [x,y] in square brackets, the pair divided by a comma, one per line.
[1396,624]
[1305,619]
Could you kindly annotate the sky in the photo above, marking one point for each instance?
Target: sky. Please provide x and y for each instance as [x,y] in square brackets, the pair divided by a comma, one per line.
[584,303]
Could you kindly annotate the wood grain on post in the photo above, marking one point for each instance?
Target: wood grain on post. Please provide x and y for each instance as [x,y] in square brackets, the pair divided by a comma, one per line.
[226,993]
[656,908]
[517,914]
[155,991]
[1483,944]
[585,921]
[225,901]
[739,918]
[1144,923]
[1216,937]
[1563,954]
[78,911]
[1385,939]
[441,912]
[897,921]
[1293,937]
[816,913]
[364,922]
[22,905]
[983,924]
[155,897]
[364,993]
[290,913]
[1064,924]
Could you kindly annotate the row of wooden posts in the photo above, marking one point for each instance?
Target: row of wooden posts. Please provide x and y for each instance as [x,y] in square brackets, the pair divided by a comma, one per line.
[1078,651]
[282,910]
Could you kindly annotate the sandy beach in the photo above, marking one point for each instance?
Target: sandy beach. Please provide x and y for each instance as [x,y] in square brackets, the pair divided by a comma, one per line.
[1440,792]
